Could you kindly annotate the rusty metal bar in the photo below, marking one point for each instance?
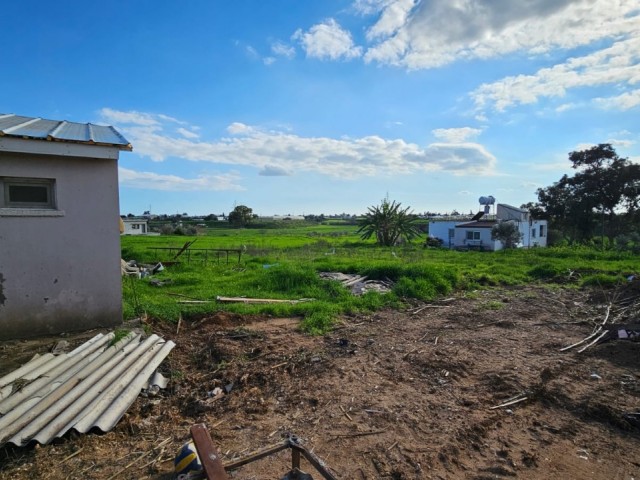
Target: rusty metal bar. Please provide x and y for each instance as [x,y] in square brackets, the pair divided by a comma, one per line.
[257,455]
[314,461]
[209,456]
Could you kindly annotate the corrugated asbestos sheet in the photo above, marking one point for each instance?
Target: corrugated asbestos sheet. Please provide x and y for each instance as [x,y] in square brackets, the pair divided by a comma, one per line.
[61,131]
[92,386]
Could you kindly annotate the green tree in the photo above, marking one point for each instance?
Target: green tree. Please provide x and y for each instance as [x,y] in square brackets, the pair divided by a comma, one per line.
[601,198]
[388,222]
[507,233]
[240,216]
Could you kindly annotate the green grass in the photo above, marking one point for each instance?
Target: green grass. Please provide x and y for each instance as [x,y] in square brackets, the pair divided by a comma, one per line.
[284,264]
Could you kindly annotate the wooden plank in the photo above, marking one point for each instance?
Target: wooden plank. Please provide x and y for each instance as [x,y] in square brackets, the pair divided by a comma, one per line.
[209,456]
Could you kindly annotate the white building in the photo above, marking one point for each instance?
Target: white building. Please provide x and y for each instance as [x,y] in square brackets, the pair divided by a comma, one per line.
[135,226]
[476,234]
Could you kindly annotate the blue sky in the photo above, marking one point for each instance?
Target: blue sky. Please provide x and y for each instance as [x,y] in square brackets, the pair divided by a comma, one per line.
[298,107]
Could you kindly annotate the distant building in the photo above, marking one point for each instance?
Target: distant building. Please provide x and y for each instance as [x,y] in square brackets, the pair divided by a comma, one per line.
[135,226]
[462,232]
[60,253]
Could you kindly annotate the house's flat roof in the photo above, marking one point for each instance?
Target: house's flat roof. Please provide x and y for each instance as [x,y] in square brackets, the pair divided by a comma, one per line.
[478,224]
[18,126]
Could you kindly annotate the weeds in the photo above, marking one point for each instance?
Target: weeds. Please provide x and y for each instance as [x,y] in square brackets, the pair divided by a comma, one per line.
[285,265]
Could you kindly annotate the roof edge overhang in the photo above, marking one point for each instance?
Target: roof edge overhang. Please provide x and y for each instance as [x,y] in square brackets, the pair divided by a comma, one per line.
[59,148]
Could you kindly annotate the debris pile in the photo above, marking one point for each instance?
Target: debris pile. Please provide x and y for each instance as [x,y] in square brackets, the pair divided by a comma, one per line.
[92,386]
[358,284]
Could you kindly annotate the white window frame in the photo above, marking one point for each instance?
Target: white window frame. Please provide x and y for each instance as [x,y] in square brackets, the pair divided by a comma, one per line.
[474,234]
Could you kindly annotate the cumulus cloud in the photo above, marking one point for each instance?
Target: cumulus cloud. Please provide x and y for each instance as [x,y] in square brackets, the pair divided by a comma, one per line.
[328,40]
[278,152]
[456,135]
[618,64]
[433,33]
[155,181]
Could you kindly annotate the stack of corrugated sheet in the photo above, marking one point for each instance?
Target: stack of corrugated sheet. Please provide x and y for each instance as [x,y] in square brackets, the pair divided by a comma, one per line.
[92,386]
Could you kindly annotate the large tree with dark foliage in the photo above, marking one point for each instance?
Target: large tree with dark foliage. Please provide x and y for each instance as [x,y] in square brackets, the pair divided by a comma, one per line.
[600,199]
[240,216]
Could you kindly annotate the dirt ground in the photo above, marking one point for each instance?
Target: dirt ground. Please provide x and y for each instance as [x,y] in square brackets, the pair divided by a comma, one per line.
[398,395]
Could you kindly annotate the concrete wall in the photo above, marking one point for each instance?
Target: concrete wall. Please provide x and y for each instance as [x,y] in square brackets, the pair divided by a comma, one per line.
[61,273]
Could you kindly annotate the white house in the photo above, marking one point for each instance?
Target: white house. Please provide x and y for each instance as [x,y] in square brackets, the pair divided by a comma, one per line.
[476,234]
[135,226]
[59,236]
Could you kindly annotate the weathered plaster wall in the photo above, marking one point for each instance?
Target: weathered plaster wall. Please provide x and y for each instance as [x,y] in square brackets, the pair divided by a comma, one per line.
[62,273]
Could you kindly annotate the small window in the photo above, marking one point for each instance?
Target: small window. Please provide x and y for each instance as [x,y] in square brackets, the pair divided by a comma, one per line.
[542,230]
[533,233]
[471,235]
[135,226]
[28,193]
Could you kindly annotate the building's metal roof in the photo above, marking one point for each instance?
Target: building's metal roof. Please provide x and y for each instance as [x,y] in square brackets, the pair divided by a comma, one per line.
[61,131]
[92,386]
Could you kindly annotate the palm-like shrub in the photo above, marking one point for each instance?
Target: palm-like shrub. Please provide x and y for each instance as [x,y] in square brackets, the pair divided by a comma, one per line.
[389,222]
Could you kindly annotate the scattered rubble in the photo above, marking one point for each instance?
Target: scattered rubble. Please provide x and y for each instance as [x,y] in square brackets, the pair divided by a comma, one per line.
[358,284]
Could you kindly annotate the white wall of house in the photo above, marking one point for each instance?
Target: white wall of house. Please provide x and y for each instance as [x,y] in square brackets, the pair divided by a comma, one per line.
[135,226]
[60,266]
[444,230]
[474,237]
[534,233]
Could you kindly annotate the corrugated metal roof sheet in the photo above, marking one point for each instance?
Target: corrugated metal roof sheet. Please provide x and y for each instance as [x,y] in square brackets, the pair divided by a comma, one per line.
[92,386]
[61,131]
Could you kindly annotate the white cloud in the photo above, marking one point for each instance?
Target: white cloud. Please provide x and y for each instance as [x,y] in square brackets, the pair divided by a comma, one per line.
[565,107]
[156,181]
[136,118]
[456,135]
[432,33]
[273,171]
[251,52]
[624,101]
[618,64]
[369,7]
[392,18]
[283,50]
[279,152]
[268,60]
[187,133]
[620,143]
[328,40]
[237,128]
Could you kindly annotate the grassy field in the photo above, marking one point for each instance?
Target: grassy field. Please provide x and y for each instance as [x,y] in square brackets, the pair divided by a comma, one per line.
[283,263]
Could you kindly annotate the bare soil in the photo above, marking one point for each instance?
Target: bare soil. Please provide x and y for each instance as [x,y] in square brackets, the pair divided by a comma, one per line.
[395,394]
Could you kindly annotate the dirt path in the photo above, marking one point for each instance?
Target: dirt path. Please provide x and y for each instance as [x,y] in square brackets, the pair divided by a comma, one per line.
[399,395]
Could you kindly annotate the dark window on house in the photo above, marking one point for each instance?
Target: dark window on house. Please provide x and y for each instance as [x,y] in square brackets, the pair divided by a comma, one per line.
[471,235]
[542,230]
[533,233]
[28,193]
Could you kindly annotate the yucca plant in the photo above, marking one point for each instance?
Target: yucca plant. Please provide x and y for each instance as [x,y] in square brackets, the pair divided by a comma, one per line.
[389,222]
